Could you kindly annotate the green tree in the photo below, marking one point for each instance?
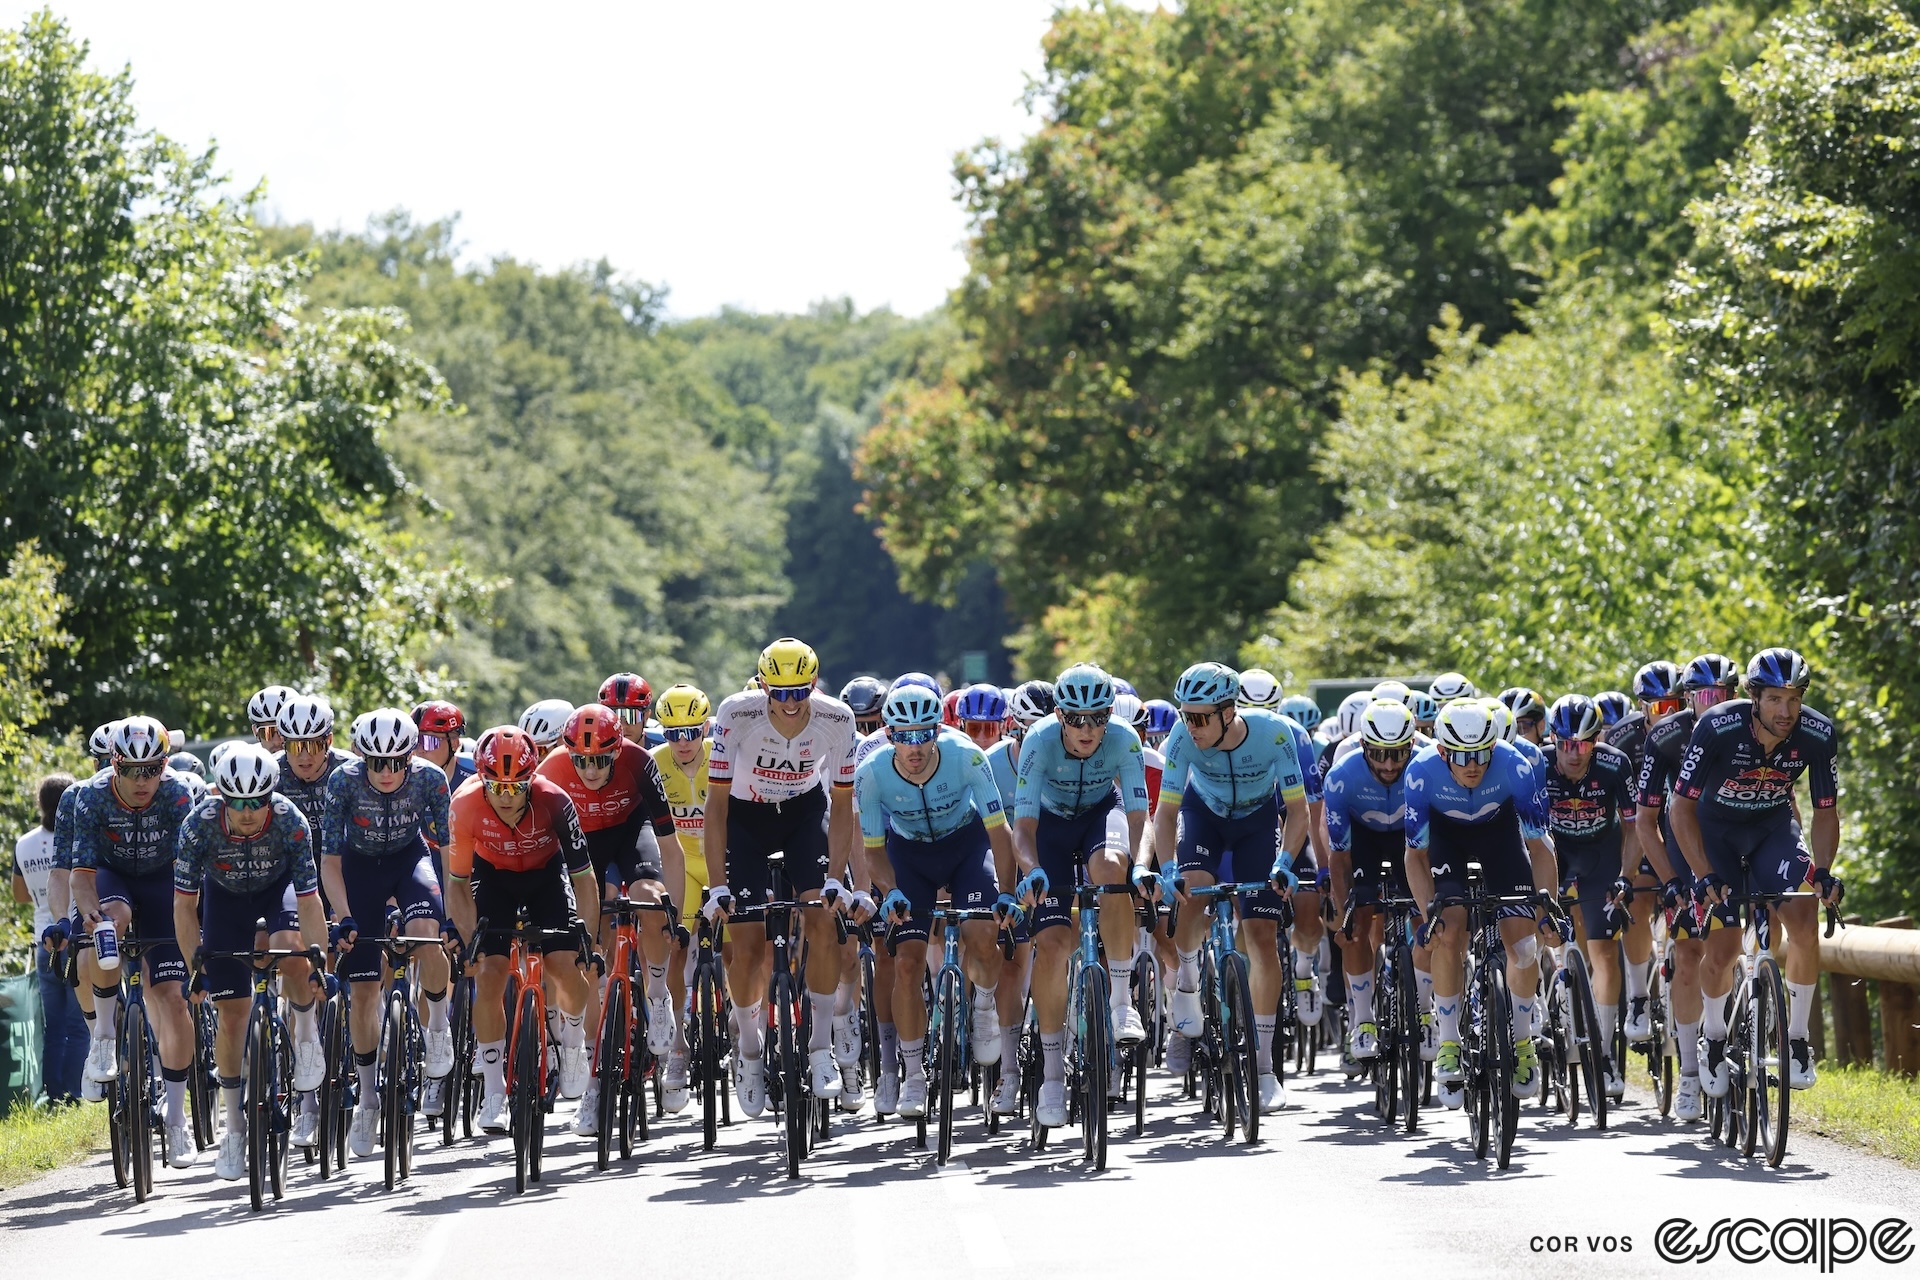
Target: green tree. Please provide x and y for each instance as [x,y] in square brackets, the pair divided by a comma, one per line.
[210,472]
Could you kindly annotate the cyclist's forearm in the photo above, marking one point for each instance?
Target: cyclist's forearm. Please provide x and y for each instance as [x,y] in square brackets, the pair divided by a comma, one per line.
[1026,854]
[460,905]
[1136,837]
[1317,832]
[86,894]
[313,921]
[1419,876]
[713,839]
[586,893]
[673,864]
[1652,847]
[335,884]
[1298,825]
[880,869]
[1340,869]
[1006,870]
[59,893]
[186,923]
[1546,868]
[1826,836]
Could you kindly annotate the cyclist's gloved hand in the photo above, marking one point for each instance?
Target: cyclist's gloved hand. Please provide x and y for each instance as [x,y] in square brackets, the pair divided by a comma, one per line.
[1323,880]
[1144,882]
[1673,893]
[1282,878]
[1830,885]
[718,901]
[1032,887]
[56,935]
[895,905]
[1005,907]
[832,891]
[342,932]
[1623,889]
[860,904]
[1710,888]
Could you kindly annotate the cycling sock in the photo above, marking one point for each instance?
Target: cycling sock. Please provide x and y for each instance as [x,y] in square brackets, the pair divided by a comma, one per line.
[306,1027]
[656,981]
[1304,966]
[175,1079]
[230,1101]
[1609,1014]
[1009,1037]
[1799,1009]
[1522,1019]
[913,1054]
[1120,981]
[493,1067]
[106,1007]
[1263,1045]
[1638,978]
[889,1049]
[1446,1011]
[1423,979]
[843,1029]
[844,996]
[1360,998]
[1687,1041]
[1713,1018]
[436,1010]
[310,1103]
[820,1034]
[573,1030]
[1188,979]
[363,1065]
[751,1028]
[1053,1056]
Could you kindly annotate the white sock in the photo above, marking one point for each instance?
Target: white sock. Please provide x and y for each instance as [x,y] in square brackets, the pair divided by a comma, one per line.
[1423,979]
[1053,1056]
[436,1012]
[493,1067]
[1522,1019]
[1303,965]
[1713,1018]
[844,996]
[1120,982]
[231,1092]
[1009,1036]
[176,1102]
[821,1032]
[1263,1044]
[106,1012]
[913,1056]
[1446,1011]
[369,1074]
[306,1027]
[656,981]
[1638,978]
[985,996]
[1608,1013]
[1799,1010]
[573,1030]
[1687,1038]
[1360,998]
[751,1029]
[1188,979]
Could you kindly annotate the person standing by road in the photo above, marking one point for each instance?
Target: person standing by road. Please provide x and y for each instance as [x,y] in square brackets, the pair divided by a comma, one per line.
[64,1049]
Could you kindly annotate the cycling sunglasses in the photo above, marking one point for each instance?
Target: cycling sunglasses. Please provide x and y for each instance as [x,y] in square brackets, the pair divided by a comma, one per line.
[506,788]
[1085,719]
[1711,696]
[798,693]
[388,764]
[1663,706]
[432,741]
[691,733]
[247,804]
[630,715]
[602,761]
[140,771]
[318,746]
[1465,758]
[914,737]
[1573,746]
[1389,755]
[265,732]
[1196,719]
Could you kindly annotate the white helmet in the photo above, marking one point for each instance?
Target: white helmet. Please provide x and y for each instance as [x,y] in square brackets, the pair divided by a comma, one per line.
[305,715]
[100,741]
[141,740]
[1129,710]
[264,706]
[218,751]
[386,732]
[1393,691]
[1386,724]
[1260,688]
[1352,707]
[1502,718]
[1466,726]
[246,772]
[1445,688]
[544,720]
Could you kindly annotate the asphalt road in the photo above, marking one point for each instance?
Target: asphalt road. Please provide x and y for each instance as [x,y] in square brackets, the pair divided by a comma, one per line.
[1326,1187]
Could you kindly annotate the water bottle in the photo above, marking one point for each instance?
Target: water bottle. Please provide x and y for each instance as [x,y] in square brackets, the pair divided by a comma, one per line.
[106,948]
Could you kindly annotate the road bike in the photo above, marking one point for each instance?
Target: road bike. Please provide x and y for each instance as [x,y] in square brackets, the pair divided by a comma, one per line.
[1226,1057]
[622,1061]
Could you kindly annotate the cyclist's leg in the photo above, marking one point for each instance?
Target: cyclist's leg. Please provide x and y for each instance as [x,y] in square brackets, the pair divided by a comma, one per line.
[116,904]
[1307,932]
[1781,864]
[1248,846]
[1594,872]
[966,867]
[1201,836]
[1057,841]
[166,971]
[1725,844]
[915,876]
[1447,962]
[1357,958]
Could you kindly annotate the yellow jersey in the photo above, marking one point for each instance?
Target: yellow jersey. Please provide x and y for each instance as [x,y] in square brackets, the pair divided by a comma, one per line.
[687,798]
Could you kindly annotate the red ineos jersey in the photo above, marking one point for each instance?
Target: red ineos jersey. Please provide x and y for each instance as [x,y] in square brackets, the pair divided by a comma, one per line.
[635,787]
[1733,778]
[763,765]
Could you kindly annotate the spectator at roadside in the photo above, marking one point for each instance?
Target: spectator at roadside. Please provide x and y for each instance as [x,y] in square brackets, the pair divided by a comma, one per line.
[65,1048]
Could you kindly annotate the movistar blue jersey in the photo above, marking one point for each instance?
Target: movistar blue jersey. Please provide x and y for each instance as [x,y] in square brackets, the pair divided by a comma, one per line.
[1535,756]
[364,822]
[1067,786]
[1356,798]
[1002,760]
[245,864]
[131,842]
[1511,785]
[1265,766]
[960,789]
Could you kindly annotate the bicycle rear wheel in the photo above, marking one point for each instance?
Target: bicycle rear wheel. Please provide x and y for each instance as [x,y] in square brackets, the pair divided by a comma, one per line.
[610,1068]
[202,1087]
[136,1072]
[1588,1037]
[1096,1047]
[1772,1090]
[1240,1044]
[869,1023]
[947,1065]
[1146,1002]
[1031,1070]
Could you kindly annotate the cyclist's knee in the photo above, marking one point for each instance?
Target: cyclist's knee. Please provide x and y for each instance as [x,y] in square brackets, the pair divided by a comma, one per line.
[1106,866]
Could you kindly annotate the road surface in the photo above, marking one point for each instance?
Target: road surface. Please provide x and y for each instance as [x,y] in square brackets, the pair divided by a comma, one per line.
[1326,1187]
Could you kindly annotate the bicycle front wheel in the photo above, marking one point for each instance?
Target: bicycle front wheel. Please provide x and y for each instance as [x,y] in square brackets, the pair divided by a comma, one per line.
[1146,1002]
[257,1109]
[1503,1107]
[136,1073]
[1241,1043]
[1772,1090]
[526,1098]
[1589,1037]
[787,1060]
[392,1077]
[610,1069]
[947,1065]
[456,1097]
[202,1079]
[1405,1013]
[1096,1047]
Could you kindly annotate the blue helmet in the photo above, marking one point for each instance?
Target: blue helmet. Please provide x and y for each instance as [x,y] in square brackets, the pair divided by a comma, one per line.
[916,679]
[1710,671]
[1655,681]
[1304,711]
[1161,716]
[1209,684]
[1574,716]
[864,696]
[1084,687]
[1613,705]
[911,707]
[1423,705]
[1778,669]
[1122,686]
[983,702]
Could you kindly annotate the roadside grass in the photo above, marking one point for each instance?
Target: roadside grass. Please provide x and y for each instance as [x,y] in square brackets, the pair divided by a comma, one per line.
[1864,1108]
[34,1141]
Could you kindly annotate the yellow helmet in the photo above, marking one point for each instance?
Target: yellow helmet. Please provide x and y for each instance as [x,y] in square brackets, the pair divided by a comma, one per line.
[789,664]
[682,707]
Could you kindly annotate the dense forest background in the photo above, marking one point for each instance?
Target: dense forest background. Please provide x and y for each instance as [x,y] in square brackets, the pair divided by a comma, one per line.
[1345,336]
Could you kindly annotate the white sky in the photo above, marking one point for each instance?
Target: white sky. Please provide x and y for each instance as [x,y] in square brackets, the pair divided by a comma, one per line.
[755,153]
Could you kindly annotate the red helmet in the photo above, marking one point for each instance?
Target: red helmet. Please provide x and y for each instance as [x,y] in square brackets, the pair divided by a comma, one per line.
[593,730]
[505,754]
[950,709]
[625,691]
[440,717]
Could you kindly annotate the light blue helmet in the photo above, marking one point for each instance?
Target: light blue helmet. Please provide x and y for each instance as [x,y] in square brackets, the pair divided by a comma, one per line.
[1303,711]
[1207,684]
[1083,687]
[911,707]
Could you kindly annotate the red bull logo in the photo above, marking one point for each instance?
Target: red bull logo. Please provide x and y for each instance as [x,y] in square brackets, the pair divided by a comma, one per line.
[1761,787]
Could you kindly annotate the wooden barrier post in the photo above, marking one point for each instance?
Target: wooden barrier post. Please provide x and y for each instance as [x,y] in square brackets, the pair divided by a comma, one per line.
[1852,1019]
[1899,1016]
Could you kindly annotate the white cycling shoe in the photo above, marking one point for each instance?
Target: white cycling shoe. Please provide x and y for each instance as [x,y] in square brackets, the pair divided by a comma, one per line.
[586,1120]
[1006,1098]
[433,1097]
[1179,1053]
[1616,1083]
[660,1024]
[824,1073]
[1803,1074]
[750,1087]
[886,1093]
[103,1060]
[365,1127]
[986,1033]
[492,1115]
[439,1053]
[1050,1109]
[1273,1095]
[1366,1041]
[674,1094]
[1127,1027]
[230,1165]
[1639,1025]
[1189,1019]
[306,1126]
[1308,1002]
[846,1041]
[852,1096]
[913,1096]
[576,1065]
[182,1150]
[1686,1100]
[309,1065]
[1716,1076]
